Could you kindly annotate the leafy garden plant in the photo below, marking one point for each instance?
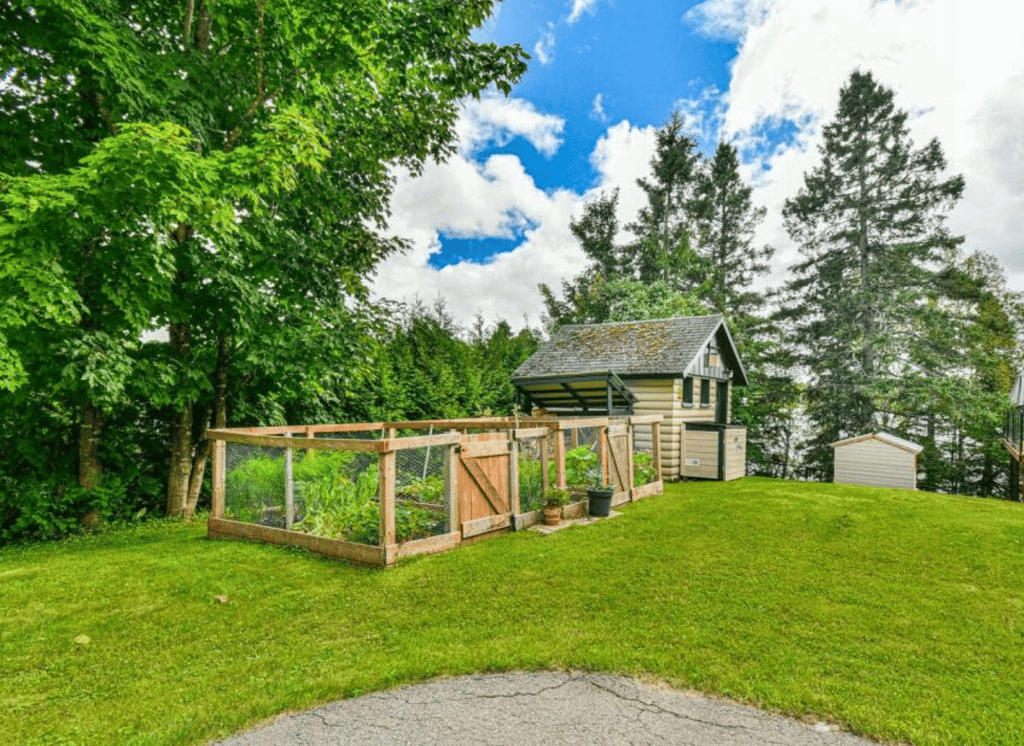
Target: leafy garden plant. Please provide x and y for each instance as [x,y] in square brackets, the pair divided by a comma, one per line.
[581,464]
[643,468]
[556,497]
[334,499]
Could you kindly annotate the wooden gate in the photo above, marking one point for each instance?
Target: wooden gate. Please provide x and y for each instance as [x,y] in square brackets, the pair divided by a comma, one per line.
[485,495]
[620,463]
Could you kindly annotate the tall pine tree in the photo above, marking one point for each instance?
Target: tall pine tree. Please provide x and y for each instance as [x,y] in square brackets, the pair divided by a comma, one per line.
[870,223]
[725,222]
[664,227]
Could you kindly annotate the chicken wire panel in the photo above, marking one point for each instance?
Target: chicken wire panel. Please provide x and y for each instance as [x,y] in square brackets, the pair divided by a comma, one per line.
[531,483]
[643,455]
[583,456]
[422,492]
[334,494]
[337,494]
[254,484]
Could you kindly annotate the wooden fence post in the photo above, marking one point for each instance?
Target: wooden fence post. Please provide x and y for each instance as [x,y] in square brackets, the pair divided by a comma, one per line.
[289,487]
[544,461]
[387,499]
[630,481]
[604,455]
[454,519]
[513,474]
[219,476]
[559,458]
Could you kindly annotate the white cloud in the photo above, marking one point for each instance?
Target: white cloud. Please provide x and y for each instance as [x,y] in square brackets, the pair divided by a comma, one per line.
[469,200]
[597,109]
[956,66]
[579,7]
[702,116]
[497,119]
[727,19]
[499,199]
[621,156]
[544,49]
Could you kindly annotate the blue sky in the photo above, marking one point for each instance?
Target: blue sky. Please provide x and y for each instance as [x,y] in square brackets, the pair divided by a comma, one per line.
[489,225]
[580,73]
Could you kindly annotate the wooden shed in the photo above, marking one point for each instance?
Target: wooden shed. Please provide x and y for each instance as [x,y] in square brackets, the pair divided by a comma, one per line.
[876,460]
[681,368]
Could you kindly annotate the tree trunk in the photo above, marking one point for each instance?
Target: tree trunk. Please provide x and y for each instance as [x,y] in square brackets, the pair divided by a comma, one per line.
[931,453]
[89,467]
[220,419]
[90,470]
[987,487]
[181,436]
[868,305]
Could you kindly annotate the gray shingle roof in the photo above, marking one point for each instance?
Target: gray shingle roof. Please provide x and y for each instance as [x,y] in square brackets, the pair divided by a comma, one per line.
[627,348]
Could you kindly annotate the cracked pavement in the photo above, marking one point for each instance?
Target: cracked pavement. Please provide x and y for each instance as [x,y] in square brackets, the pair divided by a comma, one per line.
[573,709]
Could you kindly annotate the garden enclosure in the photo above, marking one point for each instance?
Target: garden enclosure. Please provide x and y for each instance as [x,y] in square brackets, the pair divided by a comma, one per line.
[373,492]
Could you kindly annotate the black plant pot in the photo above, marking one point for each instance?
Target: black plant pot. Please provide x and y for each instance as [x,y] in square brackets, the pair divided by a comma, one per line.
[600,502]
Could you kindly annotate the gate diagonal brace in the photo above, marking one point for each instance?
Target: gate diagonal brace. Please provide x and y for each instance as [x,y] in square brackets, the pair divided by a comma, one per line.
[488,489]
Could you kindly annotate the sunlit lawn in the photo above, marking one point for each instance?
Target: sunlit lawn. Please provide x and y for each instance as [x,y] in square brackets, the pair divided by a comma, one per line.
[896,614]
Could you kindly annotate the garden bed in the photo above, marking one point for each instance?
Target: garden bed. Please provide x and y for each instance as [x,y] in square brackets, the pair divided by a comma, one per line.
[371,493]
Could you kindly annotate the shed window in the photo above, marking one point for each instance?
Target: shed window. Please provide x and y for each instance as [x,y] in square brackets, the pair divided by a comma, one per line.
[705,392]
[688,391]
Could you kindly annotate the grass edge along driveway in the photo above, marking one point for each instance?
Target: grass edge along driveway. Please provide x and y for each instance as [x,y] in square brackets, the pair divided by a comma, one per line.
[895,614]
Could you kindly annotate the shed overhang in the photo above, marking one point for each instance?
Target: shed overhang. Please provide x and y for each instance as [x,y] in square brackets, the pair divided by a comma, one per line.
[595,393]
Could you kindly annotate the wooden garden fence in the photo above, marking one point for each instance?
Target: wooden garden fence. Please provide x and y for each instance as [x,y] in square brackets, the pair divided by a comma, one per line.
[481,462]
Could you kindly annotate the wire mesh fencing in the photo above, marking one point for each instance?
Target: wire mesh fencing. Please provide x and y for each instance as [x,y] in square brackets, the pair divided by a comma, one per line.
[532,460]
[422,492]
[333,494]
[644,471]
[583,457]
[254,486]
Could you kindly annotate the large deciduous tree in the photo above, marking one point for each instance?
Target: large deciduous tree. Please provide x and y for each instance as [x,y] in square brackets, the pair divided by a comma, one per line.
[215,168]
[870,222]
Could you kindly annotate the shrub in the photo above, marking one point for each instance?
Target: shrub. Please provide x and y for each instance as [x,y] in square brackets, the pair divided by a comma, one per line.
[52,508]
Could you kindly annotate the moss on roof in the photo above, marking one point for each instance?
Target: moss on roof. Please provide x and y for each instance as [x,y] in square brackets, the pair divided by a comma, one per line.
[630,348]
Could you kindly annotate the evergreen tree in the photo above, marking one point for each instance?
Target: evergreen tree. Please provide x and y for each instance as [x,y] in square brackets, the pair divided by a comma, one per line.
[664,228]
[725,222]
[869,220]
[952,396]
[654,275]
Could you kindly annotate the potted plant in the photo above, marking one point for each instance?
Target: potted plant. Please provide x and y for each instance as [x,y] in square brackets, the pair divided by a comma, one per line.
[599,496]
[554,499]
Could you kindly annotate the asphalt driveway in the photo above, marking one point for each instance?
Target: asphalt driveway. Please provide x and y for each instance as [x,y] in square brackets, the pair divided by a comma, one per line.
[572,709]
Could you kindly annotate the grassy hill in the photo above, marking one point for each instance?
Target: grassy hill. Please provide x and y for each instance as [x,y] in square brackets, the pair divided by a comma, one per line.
[896,614]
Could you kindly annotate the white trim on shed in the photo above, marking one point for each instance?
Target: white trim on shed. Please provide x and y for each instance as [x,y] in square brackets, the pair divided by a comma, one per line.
[876,460]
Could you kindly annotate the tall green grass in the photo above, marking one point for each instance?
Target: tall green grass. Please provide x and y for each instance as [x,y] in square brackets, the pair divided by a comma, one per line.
[896,614]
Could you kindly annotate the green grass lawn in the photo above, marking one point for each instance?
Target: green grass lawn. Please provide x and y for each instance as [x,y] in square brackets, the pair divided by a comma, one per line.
[896,614]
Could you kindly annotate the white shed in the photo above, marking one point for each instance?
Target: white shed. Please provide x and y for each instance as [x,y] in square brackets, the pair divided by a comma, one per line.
[877,460]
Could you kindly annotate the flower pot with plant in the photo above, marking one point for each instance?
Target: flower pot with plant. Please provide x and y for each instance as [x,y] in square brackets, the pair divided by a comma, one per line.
[554,499]
[599,498]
